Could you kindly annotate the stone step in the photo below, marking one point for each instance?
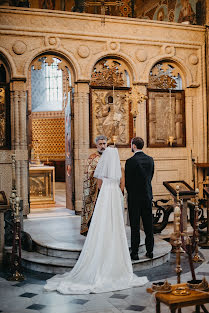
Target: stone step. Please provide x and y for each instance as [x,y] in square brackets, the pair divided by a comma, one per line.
[66,252]
[58,244]
[57,265]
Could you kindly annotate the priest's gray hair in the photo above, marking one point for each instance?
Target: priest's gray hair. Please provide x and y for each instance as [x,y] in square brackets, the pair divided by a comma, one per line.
[100,137]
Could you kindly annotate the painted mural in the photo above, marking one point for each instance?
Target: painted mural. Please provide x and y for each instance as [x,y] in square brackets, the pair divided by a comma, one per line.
[179,11]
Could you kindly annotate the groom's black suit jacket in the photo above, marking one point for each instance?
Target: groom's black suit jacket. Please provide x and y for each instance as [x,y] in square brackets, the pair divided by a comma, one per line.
[139,170]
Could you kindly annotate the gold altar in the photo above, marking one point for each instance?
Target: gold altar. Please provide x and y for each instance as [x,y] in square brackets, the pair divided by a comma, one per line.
[42,186]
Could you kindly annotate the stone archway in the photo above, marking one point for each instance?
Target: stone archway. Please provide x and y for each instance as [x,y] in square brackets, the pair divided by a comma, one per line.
[50,105]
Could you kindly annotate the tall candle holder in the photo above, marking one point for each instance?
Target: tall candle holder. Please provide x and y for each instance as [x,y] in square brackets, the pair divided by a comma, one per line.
[181,239]
[36,152]
[171,138]
[176,237]
[196,257]
[16,267]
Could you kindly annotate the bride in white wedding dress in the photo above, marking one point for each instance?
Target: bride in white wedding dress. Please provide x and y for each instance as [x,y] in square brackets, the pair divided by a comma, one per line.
[104,263]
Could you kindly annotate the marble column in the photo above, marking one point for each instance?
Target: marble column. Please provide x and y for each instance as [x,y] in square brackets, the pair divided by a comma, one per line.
[81,137]
[19,139]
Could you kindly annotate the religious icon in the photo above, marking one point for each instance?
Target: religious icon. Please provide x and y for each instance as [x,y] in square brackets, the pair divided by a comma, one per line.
[111,115]
[3,199]
[160,15]
[47,4]
[186,13]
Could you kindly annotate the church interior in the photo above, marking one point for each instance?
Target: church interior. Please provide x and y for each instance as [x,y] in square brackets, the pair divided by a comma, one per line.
[71,70]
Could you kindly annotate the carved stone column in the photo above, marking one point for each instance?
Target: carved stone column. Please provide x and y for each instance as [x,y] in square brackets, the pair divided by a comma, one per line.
[81,137]
[19,139]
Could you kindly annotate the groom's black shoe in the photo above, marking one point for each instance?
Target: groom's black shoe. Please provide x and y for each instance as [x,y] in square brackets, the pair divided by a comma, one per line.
[149,255]
[134,257]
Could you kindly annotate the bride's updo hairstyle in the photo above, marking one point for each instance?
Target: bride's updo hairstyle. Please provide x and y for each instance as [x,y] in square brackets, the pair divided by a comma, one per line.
[109,165]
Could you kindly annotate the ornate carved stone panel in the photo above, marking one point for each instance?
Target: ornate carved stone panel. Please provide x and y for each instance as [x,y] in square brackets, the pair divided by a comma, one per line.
[165,106]
[165,75]
[109,101]
[165,118]
[110,115]
[110,72]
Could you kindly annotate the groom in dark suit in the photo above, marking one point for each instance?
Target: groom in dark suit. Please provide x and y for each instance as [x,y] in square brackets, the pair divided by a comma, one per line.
[139,170]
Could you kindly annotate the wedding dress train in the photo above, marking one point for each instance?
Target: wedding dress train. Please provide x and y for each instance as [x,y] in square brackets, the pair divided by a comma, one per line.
[104,263]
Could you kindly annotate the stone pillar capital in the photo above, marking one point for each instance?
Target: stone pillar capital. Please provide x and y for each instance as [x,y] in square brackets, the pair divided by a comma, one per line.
[82,86]
[18,85]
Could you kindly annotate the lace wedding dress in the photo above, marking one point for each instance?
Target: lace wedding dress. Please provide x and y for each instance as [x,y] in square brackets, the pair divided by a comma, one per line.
[104,263]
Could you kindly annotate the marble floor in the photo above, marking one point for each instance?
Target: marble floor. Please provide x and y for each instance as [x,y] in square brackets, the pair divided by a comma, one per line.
[29,296]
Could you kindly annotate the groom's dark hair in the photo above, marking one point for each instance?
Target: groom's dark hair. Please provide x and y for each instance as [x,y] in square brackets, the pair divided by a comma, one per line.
[138,142]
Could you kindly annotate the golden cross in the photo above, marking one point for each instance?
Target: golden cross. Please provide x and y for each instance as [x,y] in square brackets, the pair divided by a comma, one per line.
[104,4]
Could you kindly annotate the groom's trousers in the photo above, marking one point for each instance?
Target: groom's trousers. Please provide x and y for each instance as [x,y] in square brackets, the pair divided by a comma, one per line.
[142,210]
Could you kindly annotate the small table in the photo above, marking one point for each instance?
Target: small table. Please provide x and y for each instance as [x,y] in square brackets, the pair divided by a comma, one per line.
[196,298]
[42,186]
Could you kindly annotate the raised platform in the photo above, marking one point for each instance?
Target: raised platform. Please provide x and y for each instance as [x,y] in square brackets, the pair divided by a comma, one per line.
[58,244]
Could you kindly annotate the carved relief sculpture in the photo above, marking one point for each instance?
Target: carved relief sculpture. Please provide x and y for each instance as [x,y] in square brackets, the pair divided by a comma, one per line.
[165,107]
[110,105]
[110,116]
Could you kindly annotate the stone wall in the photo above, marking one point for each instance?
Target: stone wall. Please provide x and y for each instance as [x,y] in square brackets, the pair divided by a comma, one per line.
[82,40]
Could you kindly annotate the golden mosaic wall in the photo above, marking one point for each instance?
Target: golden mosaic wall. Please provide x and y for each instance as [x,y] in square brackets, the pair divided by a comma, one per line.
[50,135]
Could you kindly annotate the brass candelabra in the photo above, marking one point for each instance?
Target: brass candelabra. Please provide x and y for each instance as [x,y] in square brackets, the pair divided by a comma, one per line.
[181,239]
[16,268]
[196,257]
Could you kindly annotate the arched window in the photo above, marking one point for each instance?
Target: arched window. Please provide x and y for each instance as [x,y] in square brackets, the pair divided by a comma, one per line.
[5,133]
[49,95]
[109,105]
[49,77]
[165,106]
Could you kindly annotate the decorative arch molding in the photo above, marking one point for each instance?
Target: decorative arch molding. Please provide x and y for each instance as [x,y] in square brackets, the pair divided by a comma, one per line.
[130,64]
[71,60]
[9,62]
[187,77]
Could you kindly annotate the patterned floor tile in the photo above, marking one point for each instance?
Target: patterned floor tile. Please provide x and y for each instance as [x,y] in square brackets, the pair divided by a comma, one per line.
[135,308]
[36,307]
[119,296]
[79,301]
[28,295]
